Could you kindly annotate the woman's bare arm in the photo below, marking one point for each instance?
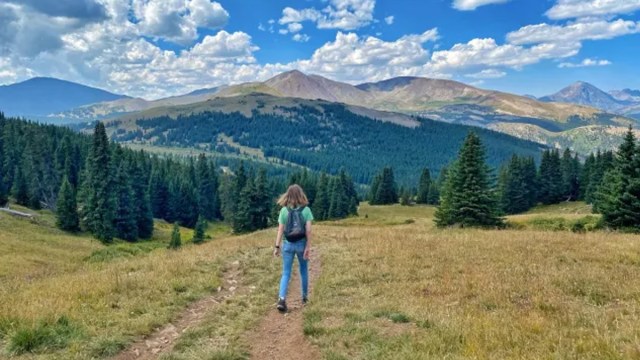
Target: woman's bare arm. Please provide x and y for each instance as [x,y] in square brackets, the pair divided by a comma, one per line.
[307,248]
[276,250]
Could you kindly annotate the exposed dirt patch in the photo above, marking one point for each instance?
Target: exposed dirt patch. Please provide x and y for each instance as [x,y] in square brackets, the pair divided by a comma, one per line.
[281,336]
[162,340]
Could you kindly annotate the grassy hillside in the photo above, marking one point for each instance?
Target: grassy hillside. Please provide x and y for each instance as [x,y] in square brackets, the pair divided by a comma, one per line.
[390,286]
[317,135]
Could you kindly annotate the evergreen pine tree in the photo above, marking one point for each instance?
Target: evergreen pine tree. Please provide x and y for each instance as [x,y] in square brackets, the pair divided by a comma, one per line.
[386,193]
[98,211]
[241,222]
[339,205]
[405,197]
[142,201]
[619,194]
[322,202]
[434,194]
[125,220]
[207,189]
[20,189]
[468,198]
[260,202]
[423,187]
[570,167]
[66,208]
[158,193]
[176,241]
[199,231]
[4,197]
[373,191]
[550,177]
[585,176]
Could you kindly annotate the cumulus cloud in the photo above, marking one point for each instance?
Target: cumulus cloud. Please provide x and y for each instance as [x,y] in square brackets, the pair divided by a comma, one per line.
[486,52]
[294,27]
[585,63]
[487,74]
[356,59]
[467,5]
[301,37]
[566,9]
[389,20]
[339,14]
[85,10]
[177,20]
[578,31]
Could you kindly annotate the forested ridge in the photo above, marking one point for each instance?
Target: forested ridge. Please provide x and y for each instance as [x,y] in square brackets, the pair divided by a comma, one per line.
[98,186]
[328,138]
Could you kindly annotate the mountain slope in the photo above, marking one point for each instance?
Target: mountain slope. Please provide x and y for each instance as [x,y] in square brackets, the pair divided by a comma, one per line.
[43,96]
[626,95]
[317,134]
[412,95]
[110,109]
[583,93]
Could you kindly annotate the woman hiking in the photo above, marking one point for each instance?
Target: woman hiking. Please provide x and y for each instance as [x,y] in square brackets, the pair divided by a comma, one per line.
[295,228]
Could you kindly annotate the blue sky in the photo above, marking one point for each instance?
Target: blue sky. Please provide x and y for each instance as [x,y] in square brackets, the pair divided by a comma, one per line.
[155,48]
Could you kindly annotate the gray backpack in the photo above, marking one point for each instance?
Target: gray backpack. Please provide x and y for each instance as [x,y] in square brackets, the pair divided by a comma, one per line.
[295,229]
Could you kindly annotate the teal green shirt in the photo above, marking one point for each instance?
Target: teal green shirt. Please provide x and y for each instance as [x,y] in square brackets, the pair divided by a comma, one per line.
[284,214]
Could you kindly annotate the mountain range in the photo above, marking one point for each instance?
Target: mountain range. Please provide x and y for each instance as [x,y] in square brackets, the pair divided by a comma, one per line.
[624,102]
[561,119]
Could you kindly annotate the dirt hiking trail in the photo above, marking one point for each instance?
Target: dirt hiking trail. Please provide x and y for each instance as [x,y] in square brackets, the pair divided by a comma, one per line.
[163,339]
[280,336]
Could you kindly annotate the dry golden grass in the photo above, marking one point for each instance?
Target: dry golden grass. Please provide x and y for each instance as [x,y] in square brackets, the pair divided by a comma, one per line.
[415,292]
[107,300]
[392,287]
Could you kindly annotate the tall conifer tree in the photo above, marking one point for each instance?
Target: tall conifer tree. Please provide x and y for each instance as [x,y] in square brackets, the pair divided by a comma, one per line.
[468,198]
[66,208]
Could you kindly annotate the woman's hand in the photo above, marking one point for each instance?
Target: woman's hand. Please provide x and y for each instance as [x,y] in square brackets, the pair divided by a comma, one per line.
[276,251]
[307,252]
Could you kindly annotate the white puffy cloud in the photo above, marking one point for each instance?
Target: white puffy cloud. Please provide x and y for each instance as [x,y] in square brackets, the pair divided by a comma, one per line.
[339,14]
[577,31]
[294,27]
[466,5]
[389,20]
[487,74]
[486,52]
[177,20]
[585,63]
[356,59]
[566,9]
[301,37]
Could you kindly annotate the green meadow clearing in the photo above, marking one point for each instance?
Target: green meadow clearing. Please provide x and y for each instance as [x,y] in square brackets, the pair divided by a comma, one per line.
[391,286]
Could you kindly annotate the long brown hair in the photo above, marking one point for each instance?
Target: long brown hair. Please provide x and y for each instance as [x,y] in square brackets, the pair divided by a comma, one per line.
[294,197]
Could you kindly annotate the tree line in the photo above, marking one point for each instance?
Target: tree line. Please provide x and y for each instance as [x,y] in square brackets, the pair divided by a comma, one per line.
[98,186]
[469,194]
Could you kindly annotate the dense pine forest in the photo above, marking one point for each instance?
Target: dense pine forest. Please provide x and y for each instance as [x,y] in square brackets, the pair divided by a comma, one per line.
[328,138]
[99,186]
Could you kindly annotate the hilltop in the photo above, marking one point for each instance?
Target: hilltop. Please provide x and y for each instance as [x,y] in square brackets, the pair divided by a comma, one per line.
[42,96]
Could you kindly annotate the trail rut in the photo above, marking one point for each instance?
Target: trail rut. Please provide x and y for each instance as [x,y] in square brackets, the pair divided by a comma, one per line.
[280,336]
[162,340]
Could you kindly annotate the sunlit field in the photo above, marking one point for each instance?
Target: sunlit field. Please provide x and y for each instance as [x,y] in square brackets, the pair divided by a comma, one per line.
[391,287]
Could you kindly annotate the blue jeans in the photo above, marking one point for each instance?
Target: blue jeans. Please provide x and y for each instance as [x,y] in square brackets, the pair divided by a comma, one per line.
[289,251]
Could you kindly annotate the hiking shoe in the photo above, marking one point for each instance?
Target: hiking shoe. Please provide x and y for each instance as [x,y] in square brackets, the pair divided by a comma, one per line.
[282,305]
[305,300]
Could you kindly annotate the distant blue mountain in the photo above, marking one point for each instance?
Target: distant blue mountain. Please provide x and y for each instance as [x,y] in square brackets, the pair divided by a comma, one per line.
[42,96]
[205,91]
